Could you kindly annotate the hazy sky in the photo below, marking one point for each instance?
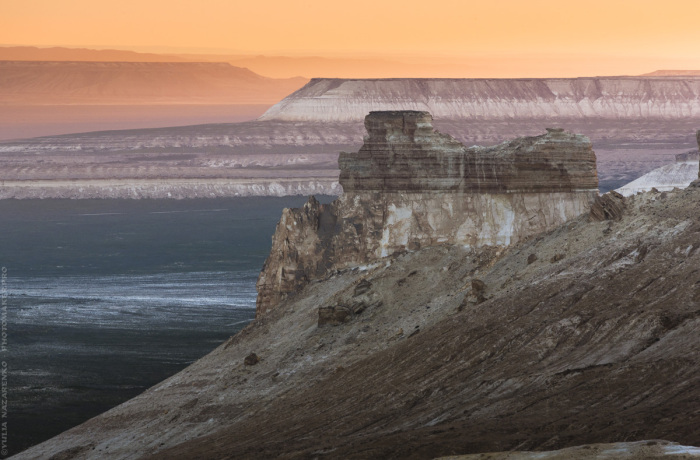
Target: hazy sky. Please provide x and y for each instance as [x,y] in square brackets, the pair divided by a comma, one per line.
[633,29]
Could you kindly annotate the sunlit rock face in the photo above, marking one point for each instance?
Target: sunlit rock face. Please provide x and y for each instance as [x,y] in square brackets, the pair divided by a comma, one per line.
[410,186]
[612,98]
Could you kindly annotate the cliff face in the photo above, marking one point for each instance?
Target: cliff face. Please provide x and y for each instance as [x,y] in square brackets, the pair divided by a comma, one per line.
[636,124]
[477,99]
[410,187]
[680,174]
[587,334]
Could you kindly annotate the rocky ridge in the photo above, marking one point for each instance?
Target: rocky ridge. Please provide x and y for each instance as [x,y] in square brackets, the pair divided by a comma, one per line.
[584,334]
[410,187]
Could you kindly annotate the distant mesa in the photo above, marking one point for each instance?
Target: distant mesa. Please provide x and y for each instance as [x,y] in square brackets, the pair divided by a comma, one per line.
[64,82]
[680,174]
[59,53]
[615,98]
[410,186]
[627,119]
[673,73]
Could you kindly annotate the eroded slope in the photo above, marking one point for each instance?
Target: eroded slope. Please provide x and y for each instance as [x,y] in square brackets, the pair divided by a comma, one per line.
[587,334]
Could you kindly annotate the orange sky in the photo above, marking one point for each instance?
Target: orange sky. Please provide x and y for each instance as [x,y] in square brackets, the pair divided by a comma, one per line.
[655,32]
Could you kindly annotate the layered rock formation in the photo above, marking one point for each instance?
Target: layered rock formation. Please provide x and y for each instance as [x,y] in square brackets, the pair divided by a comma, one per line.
[410,187]
[586,334]
[637,124]
[680,174]
[477,99]
[675,175]
[171,188]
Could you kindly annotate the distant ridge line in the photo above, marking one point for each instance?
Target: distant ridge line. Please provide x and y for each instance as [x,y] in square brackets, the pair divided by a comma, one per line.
[624,97]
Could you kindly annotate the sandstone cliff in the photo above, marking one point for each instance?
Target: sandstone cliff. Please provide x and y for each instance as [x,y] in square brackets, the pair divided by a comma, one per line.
[410,187]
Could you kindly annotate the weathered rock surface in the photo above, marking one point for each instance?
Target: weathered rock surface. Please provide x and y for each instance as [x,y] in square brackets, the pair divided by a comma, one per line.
[410,186]
[636,124]
[599,347]
[675,175]
[608,207]
[647,450]
[251,360]
[333,316]
[403,153]
[680,174]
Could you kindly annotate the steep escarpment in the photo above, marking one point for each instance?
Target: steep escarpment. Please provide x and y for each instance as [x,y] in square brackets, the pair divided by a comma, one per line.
[585,334]
[675,175]
[410,187]
[636,124]
[495,99]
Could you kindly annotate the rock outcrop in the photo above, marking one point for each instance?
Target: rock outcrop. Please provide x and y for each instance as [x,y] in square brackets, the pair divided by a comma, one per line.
[675,175]
[410,187]
[608,207]
[601,346]
[635,123]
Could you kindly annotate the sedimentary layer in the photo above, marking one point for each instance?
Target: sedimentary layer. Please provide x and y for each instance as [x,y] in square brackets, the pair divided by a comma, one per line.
[410,187]
[585,334]
[636,124]
[176,188]
[675,175]
[474,99]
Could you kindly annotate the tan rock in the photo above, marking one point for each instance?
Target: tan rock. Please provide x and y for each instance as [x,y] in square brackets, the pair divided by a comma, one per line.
[411,187]
[608,207]
[333,315]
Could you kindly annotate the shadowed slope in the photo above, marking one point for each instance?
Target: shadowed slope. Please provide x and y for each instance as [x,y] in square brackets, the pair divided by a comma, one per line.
[592,339]
[599,347]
